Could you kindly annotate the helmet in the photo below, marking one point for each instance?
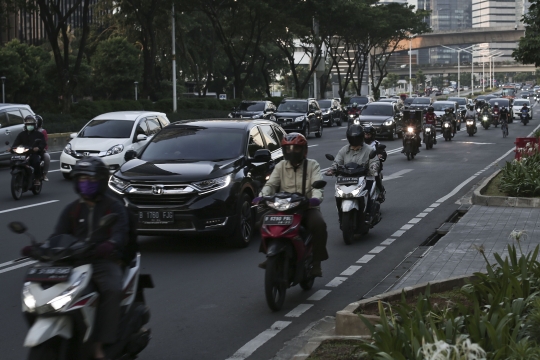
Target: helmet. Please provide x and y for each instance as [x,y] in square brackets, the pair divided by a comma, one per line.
[448,110]
[430,109]
[294,148]
[39,121]
[355,135]
[496,104]
[354,105]
[30,121]
[470,106]
[98,175]
[369,129]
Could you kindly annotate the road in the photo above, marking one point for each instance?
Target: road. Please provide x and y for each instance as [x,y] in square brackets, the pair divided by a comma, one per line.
[209,300]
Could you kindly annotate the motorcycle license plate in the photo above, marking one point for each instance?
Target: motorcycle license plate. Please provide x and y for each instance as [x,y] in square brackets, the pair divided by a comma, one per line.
[156,217]
[18,157]
[341,180]
[278,220]
[49,274]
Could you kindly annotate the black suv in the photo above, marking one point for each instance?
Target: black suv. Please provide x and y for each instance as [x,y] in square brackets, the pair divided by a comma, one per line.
[254,110]
[331,112]
[300,115]
[420,103]
[200,176]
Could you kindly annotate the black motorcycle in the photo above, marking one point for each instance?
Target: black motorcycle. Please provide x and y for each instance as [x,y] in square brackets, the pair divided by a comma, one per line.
[429,135]
[485,120]
[447,130]
[410,142]
[22,174]
[471,126]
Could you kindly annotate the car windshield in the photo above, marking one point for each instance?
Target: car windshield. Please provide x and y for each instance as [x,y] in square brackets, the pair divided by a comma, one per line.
[325,104]
[408,101]
[109,129]
[421,101]
[293,106]
[377,110]
[186,144]
[359,100]
[437,106]
[460,101]
[388,100]
[252,106]
[508,92]
[521,103]
[500,102]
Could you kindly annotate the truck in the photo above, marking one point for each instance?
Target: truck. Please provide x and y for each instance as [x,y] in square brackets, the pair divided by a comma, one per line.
[509,91]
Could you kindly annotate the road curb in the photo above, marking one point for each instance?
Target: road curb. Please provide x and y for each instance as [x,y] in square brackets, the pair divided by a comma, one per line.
[57,142]
[501,201]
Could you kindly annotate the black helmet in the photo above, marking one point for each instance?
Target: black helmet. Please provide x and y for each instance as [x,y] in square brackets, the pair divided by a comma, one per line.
[369,129]
[430,109]
[354,105]
[355,135]
[39,121]
[30,120]
[448,110]
[95,168]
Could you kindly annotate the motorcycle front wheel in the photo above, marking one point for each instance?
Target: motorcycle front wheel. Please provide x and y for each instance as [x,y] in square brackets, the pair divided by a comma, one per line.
[17,186]
[274,281]
[348,226]
[36,189]
[45,351]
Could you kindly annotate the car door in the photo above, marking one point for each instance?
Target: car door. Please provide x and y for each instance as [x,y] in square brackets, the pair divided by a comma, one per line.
[5,138]
[141,128]
[259,172]
[317,115]
[15,124]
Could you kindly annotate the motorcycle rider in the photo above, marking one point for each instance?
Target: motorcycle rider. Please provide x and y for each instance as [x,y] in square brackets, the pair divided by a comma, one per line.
[504,114]
[526,109]
[33,139]
[431,119]
[80,218]
[369,139]
[447,116]
[410,121]
[470,113]
[46,156]
[289,175]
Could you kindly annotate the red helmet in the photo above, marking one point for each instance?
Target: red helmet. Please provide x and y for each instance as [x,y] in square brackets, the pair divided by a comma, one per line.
[294,147]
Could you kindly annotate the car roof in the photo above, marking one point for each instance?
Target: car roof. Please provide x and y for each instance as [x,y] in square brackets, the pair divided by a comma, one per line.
[14,105]
[126,115]
[289,99]
[225,123]
[445,101]
[385,103]
[456,97]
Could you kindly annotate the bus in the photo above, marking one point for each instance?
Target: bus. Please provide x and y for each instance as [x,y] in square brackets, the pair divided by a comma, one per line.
[509,91]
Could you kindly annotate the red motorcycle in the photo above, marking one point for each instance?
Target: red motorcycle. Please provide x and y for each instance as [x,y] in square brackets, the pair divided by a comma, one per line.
[287,245]
[495,117]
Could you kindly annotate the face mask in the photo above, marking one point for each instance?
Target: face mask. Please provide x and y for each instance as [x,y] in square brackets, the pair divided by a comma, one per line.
[30,127]
[88,188]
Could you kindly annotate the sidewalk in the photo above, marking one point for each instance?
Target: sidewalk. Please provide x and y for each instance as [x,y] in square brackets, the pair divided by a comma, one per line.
[453,255]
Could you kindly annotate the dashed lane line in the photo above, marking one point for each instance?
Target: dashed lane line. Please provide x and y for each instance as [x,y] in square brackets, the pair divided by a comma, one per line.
[319,295]
[18,266]
[365,259]
[299,310]
[338,280]
[377,249]
[28,206]
[259,340]
[350,270]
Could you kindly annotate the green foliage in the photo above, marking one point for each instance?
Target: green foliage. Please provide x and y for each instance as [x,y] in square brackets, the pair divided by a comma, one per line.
[528,50]
[521,178]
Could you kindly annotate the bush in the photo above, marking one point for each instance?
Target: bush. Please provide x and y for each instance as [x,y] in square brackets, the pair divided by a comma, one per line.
[521,178]
[164,105]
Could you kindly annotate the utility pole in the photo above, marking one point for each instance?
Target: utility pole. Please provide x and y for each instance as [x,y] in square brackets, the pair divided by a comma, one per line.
[173,59]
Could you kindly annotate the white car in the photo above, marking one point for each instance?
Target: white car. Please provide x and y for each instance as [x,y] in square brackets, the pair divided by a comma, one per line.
[518,104]
[110,135]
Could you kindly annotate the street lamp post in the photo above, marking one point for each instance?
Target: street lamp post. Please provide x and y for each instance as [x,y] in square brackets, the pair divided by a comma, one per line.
[173,59]
[136,83]
[458,63]
[3,89]
[410,62]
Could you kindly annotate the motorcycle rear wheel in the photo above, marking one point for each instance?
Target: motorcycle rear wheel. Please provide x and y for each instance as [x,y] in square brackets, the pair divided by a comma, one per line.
[36,189]
[45,351]
[348,225]
[17,186]
[274,285]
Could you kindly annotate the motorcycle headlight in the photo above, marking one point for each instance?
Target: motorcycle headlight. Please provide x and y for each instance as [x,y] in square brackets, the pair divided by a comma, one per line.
[20,150]
[213,184]
[351,116]
[388,122]
[118,184]
[410,129]
[300,118]
[116,149]
[470,122]
[67,148]
[428,130]
[65,297]
[485,118]
[282,204]
[28,299]
[258,116]
[446,125]
[356,122]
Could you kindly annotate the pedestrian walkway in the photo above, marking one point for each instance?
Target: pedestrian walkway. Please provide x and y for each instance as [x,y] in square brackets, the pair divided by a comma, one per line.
[455,253]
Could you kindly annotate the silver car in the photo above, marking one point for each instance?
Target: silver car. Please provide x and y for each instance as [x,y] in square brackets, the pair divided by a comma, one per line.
[11,125]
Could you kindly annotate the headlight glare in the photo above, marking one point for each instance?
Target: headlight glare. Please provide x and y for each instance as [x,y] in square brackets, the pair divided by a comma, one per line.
[118,183]
[29,300]
[388,122]
[410,129]
[116,149]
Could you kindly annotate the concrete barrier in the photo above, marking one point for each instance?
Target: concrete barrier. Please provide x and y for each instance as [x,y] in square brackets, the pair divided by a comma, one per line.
[58,141]
[479,199]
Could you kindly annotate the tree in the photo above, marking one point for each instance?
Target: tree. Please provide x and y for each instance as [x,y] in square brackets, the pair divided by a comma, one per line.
[420,78]
[528,46]
[391,81]
[116,66]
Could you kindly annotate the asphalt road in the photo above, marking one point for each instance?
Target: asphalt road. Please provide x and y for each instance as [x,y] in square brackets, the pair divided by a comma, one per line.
[209,300]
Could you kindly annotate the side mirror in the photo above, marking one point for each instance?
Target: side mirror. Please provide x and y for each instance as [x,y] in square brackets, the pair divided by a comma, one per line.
[130,155]
[330,157]
[73,135]
[141,137]
[261,156]
[17,227]
[108,220]
[319,184]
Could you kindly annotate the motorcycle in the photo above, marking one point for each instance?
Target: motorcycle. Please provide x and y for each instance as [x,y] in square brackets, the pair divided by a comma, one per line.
[471,126]
[447,131]
[485,121]
[59,301]
[358,213]
[429,135]
[22,174]
[287,245]
[410,142]
[495,118]
[524,116]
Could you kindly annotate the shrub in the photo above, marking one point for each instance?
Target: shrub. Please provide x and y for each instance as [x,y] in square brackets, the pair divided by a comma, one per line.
[164,105]
[521,178]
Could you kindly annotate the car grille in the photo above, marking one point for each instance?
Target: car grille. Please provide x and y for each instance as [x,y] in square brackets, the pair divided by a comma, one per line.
[177,225]
[157,200]
[82,153]
[283,120]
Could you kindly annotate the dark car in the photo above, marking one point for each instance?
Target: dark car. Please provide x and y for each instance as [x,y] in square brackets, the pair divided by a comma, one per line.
[421,103]
[300,115]
[331,112]
[200,176]
[385,117]
[462,105]
[507,103]
[359,100]
[254,110]
[527,95]
[407,102]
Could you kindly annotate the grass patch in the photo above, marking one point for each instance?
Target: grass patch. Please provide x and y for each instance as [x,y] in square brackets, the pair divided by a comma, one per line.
[339,350]
[493,187]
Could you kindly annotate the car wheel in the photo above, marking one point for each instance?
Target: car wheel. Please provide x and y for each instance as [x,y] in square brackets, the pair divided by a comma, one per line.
[244,228]
[305,131]
[66,176]
[392,135]
[319,133]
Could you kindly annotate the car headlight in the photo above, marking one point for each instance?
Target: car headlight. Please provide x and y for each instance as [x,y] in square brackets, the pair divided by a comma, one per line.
[339,193]
[388,122]
[257,116]
[213,184]
[282,204]
[300,118]
[116,149]
[67,148]
[118,184]
[28,299]
[66,296]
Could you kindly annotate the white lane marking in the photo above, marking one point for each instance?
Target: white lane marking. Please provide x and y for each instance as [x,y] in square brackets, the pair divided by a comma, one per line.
[18,266]
[388,241]
[336,281]
[319,295]
[406,227]
[435,204]
[397,174]
[299,310]
[28,206]
[377,249]
[398,233]
[472,142]
[364,259]
[259,340]
[54,170]
[313,145]
[414,221]
[428,210]
[55,152]
[350,270]
[421,215]
[55,160]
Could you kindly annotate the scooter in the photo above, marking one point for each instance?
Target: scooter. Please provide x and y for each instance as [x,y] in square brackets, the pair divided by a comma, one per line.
[22,174]
[447,130]
[410,142]
[287,245]
[485,121]
[524,116]
[495,118]
[59,301]
[429,136]
[471,126]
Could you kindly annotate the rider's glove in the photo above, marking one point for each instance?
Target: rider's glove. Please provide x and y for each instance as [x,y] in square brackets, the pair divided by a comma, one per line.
[314,202]
[105,249]
[27,251]
[256,200]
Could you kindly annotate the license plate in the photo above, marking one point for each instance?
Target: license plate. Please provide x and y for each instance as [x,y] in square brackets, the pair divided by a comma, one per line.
[278,220]
[49,274]
[347,180]
[156,217]
[18,157]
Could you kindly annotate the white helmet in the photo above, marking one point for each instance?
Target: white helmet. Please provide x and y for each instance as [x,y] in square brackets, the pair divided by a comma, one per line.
[496,103]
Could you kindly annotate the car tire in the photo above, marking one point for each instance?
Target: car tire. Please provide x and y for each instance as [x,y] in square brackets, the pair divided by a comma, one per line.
[243,232]
[66,176]
[319,133]
[305,131]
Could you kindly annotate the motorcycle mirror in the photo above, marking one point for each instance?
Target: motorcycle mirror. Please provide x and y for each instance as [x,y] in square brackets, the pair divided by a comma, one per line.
[330,157]
[108,220]
[372,154]
[17,227]
[319,184]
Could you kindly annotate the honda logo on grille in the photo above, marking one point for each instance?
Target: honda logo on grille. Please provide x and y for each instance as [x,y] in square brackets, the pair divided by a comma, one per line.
[86,153]
[157,189]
